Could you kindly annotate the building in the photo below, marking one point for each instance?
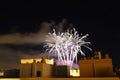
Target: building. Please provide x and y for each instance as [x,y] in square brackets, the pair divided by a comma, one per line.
[96,66]
[42,68]
[11,73]
[35,68]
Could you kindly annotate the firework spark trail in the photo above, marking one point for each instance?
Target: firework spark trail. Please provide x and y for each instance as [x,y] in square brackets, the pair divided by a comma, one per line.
[66,45]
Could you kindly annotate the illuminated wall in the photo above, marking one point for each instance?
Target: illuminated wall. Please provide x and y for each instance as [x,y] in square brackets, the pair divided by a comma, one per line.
[25,70]
[37,60]
[75,73]
[86,68]
[103,67]
[1,73]
[42,68]
[35,67]
[96,67]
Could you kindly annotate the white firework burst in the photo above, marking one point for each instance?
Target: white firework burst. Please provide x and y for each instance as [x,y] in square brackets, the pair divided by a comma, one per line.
[66,45]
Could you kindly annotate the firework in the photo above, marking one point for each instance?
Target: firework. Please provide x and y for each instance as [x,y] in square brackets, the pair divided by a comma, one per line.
[65,46]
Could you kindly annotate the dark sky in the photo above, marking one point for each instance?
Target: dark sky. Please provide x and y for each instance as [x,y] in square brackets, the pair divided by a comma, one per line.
[100,21]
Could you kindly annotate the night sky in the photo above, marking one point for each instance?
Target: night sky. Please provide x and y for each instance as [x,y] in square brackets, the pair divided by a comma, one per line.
[23,26]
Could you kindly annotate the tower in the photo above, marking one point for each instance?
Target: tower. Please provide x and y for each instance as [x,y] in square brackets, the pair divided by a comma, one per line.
[97,55]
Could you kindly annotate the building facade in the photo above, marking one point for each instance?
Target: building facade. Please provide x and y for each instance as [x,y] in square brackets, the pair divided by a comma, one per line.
[96,66]
[42,68]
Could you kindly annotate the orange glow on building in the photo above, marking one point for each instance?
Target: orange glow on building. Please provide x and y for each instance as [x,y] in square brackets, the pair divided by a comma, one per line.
[96,66]
[1,73]
[37,60]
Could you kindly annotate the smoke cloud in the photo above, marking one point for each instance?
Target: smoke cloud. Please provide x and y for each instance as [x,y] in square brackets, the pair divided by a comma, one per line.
[15,46]
[33,38]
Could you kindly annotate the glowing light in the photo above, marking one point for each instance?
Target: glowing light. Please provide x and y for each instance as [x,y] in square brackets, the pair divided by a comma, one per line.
[75,73]
[1,73]
[37,60]
[65,46]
